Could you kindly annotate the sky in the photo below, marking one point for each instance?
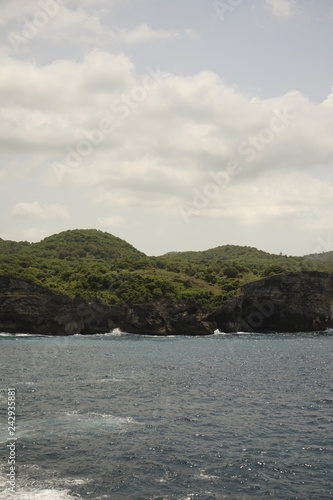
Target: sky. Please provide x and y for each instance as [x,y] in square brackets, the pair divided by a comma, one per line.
[175,125]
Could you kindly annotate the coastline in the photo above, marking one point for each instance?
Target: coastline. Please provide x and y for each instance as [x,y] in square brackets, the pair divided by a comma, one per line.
[294,302]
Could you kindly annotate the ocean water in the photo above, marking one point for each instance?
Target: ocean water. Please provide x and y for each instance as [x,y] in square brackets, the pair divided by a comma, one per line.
[121,416]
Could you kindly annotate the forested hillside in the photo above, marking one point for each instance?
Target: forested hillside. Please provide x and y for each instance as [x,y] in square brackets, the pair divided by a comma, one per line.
[95,265]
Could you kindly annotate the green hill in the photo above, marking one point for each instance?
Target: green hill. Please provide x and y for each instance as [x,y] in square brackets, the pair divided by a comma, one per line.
[229,267]
[87,244]
[322,260]
[12,246]
[96,265]
[233,261]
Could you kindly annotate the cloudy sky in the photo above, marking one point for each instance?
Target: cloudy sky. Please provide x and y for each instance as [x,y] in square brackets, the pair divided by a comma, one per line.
[175,125]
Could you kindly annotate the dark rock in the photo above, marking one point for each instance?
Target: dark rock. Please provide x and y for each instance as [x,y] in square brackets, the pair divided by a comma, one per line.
[26,308]
[288,303]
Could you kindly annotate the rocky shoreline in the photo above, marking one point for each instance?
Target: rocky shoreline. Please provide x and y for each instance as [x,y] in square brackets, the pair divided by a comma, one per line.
[292,302]
[287,303]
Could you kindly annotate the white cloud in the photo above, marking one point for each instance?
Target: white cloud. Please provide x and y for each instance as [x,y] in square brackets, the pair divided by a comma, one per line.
[76,23]
[329,101]
[164,144]
[26,85]
[34,234]
[272,198]
[281,8]
[48,20]
[167,141]
[112,220]
[36,210]
[13,10]
[173,126]
[33,209]
[144,33]
[57,210]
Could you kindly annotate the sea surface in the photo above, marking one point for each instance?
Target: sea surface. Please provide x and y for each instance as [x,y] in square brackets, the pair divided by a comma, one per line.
[121,416]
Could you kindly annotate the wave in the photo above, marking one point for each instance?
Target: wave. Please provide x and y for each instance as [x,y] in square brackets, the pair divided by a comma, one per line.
[113,333]
[112,419]
[218,332]
[52,494]
[206,477]
[69,423]
[47,489]
[246,333]
[229,334]
[85,421]
[117,333]
[5,334]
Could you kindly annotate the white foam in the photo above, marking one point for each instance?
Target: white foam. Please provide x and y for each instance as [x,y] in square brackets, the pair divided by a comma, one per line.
[27,335]
[73,422]
[5,334]
[160,337]
[48,488]
[39,495]
[218,332]
[113,333]
[23,493]
[117,332]
[112,419]
[110,380]
[76,482]
[206,477]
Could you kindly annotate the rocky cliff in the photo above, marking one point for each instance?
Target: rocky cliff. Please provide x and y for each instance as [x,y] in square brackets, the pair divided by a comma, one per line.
[28,308]
[288,303]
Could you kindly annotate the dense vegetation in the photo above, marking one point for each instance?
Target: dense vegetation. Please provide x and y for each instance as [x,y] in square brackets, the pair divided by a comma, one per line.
[98,266]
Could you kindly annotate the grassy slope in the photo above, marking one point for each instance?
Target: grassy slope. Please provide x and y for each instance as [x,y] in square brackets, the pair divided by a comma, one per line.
[97,265]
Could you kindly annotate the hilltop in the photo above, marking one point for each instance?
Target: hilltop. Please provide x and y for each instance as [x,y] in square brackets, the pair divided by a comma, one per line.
[95,265]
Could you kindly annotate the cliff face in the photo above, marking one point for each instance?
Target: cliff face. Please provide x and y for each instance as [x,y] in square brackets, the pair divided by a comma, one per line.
[28,308]
[288,303]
